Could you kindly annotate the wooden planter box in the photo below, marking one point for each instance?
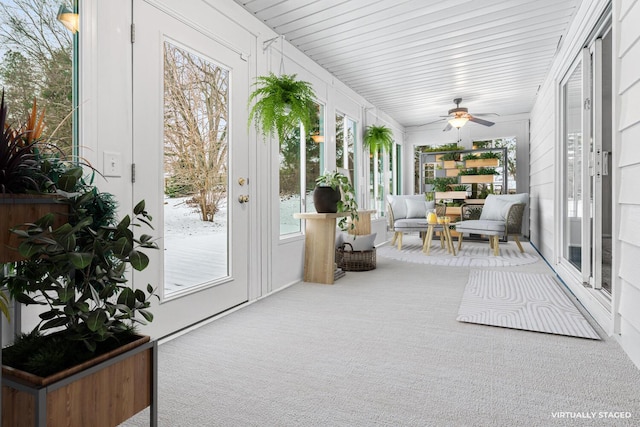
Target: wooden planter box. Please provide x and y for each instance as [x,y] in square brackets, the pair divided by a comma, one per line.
[454,210]
[16,209]
[456,195]
[102,392]
[452,172]
[476,179]
[450,164]
[482,163]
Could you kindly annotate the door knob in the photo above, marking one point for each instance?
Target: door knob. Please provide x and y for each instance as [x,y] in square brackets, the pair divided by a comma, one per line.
[243,198]
[241,181]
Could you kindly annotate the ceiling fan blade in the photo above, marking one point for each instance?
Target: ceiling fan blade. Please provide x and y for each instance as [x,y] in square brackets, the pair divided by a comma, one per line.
[486,114]
[447,127]
[481,121]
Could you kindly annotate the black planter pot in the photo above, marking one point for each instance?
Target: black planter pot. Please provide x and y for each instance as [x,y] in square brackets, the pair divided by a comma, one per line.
[326,199]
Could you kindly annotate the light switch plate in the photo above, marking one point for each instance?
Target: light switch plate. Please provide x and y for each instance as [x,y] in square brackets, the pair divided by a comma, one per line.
[112,164]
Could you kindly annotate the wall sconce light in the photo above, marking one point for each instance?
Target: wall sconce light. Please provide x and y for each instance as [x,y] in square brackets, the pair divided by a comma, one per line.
[458,122]
[68,18]
[317,138]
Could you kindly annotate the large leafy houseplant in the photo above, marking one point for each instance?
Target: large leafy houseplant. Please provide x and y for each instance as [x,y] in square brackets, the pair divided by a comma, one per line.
[347,202]
[378,138]
[78,272]
[281,103]
[73,260]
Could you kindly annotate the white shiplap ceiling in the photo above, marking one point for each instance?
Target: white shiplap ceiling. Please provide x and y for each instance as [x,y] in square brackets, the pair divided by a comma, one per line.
[411,58]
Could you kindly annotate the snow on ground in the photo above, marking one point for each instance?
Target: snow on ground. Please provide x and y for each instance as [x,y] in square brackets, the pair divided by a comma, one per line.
[195,251]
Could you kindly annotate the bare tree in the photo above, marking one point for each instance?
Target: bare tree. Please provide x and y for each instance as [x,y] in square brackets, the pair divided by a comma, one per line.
[196,128]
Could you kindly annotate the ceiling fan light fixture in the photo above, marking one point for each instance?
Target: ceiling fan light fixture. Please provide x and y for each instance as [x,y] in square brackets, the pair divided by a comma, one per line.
[458,122]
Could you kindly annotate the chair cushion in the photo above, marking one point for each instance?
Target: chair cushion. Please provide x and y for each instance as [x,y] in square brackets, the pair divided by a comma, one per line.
[418,208]
[411,223]
[399,205]
[495,209]
[480,226]
[359,243]
[496,206]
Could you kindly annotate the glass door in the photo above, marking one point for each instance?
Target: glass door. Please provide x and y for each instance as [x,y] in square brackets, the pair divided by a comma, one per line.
[587,187]
[191,167]
[601,148]
[574,169]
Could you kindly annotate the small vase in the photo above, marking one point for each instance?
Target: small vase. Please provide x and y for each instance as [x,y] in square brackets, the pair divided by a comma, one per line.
[326,199]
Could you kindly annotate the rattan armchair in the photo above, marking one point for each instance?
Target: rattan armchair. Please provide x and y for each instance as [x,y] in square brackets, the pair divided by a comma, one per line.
[507,223]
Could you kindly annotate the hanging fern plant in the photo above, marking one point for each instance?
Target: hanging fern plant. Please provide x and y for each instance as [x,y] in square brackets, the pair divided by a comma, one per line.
[281,104]
[378,138]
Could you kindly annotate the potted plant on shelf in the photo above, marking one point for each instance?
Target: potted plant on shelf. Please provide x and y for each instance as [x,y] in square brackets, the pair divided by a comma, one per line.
[78,272]
[378,138]
[26,191]
[84,352]
[281,104]
[477,175]
[334,193]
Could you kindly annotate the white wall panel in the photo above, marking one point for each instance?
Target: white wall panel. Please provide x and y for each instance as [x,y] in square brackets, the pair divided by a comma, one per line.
[625,6]
[629,63]
[629,28]
[630,341]
[629,107]
[629,295]
[630,146]
[628,191]
[627,104]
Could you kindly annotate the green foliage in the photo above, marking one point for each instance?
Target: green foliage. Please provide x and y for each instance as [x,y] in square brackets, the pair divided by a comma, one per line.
[470,156]
[451,156]
[478,171]
[281,104]
[78,270]
[378,138]
[461,187]
[442,183]
[348,203]
[446,147]
[481,144]
[489,155]
[174,189]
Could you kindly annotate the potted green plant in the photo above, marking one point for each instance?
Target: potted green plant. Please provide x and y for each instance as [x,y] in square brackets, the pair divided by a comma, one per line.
[280,104]
[78,273]
[340,197]
[74,262]
[26,190]
[378,138]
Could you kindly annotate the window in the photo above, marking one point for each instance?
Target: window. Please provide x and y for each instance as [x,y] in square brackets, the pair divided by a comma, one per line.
[301,162]
[346,146]
[40,62]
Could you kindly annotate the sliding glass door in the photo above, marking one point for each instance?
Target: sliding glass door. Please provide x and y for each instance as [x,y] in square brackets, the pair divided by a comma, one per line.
[586,183]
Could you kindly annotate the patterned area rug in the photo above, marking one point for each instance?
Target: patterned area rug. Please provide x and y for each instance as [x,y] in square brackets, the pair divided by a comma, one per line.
[533,302]
[473,254]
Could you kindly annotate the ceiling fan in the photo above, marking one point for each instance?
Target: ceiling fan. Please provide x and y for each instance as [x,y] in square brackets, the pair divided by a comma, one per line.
[460,115]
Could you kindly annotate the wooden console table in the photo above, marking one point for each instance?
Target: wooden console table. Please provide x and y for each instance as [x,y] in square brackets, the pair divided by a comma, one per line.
[320,243]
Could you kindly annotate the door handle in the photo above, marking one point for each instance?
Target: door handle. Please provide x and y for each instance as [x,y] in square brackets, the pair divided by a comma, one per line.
[243,198]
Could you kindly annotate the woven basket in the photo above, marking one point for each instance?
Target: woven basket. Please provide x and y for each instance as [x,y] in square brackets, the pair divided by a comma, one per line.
[350,260]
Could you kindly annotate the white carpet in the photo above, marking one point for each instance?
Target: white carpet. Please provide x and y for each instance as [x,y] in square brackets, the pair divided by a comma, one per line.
[532,302]
[382,348]
[473,254]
